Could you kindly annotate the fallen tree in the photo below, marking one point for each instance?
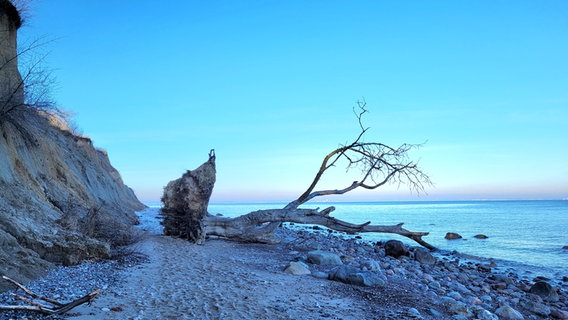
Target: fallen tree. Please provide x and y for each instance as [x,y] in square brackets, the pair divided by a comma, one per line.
[185,200]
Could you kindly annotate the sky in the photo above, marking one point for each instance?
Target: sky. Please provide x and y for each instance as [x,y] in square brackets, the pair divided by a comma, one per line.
[271,86]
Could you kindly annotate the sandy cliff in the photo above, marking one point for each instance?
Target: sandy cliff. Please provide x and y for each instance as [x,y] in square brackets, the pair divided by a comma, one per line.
[61,201]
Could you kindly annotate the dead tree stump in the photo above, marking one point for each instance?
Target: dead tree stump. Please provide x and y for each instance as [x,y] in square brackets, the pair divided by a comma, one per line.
[185,202]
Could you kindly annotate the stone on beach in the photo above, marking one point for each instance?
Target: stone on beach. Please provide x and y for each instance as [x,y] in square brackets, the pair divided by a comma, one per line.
[559,314]
[545,291]
[353,276]
[323,258]
[395,248]
[506,312]
[537,308]
[297,268]
[452,236]
[423,256]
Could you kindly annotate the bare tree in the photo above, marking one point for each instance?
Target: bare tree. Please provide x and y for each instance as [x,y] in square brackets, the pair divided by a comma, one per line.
[378,164]
[30,89]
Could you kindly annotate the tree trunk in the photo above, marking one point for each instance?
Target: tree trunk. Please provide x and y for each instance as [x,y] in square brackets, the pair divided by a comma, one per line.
[185,202]
[258,226]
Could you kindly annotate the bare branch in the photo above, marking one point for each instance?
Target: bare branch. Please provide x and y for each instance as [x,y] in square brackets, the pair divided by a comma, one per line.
[57,308]
[378,163]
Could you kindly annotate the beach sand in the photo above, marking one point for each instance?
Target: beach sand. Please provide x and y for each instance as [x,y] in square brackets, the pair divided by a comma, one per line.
[221,280]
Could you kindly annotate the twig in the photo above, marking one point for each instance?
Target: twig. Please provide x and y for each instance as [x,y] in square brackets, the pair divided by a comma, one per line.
[58,307]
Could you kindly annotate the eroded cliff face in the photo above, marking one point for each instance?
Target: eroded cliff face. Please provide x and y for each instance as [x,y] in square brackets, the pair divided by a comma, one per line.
[61,201]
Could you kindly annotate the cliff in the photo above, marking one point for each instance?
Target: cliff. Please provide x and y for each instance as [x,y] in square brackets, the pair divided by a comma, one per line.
[61,201]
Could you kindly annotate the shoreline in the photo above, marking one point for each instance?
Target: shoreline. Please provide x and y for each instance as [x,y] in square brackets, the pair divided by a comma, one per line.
[233,280]
[509,238]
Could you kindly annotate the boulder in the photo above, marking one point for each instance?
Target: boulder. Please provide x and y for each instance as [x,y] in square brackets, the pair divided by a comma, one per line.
[545,291]
[506,312]
[483,314]
[565,247]
[452,236]
[559,314]
[424,256]
[370,265]
[186,200]
[480,236]
[537,308]
[323,258]
[297,268]
[353,276]
[395,248]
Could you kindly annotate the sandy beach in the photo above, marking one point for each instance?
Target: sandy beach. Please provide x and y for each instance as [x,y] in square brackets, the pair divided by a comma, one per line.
[222,280]
[171,278]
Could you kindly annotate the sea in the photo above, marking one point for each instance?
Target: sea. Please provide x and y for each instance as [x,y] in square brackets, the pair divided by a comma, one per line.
[527,236]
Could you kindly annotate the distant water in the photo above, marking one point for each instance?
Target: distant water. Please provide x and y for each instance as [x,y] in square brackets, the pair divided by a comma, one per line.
[527,235]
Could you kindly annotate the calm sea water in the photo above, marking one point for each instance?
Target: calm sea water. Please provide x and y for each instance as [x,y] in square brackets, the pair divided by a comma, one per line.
[522,234]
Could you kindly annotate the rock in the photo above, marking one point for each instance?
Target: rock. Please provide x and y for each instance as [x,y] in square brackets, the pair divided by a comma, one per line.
[414,313]
[324,258]
[458,308]
[434,285]
[185,202]
[455,295]
[565,247]
[452,236]
[395,248]
[320,275]
[313,245]
[370,265]
[297,268]
[506,312]
[424,256]
[499,278]
[559,314]
[480,236]
[435,313]
[545,291]
[483,314]
[71,260]
[353,276]
[537,308]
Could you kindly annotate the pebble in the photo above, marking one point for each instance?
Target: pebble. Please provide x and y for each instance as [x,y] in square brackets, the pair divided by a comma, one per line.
[464,289]
[467,289]
[69,283]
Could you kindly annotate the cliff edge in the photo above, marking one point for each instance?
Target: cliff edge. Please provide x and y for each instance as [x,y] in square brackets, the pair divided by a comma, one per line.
[61,201]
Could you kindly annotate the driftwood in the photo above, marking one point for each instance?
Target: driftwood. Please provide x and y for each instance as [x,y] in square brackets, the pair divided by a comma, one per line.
[379,164]
[54,306]
[258,226]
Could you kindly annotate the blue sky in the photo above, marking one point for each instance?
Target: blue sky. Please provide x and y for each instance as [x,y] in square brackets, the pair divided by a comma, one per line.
[270,85]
